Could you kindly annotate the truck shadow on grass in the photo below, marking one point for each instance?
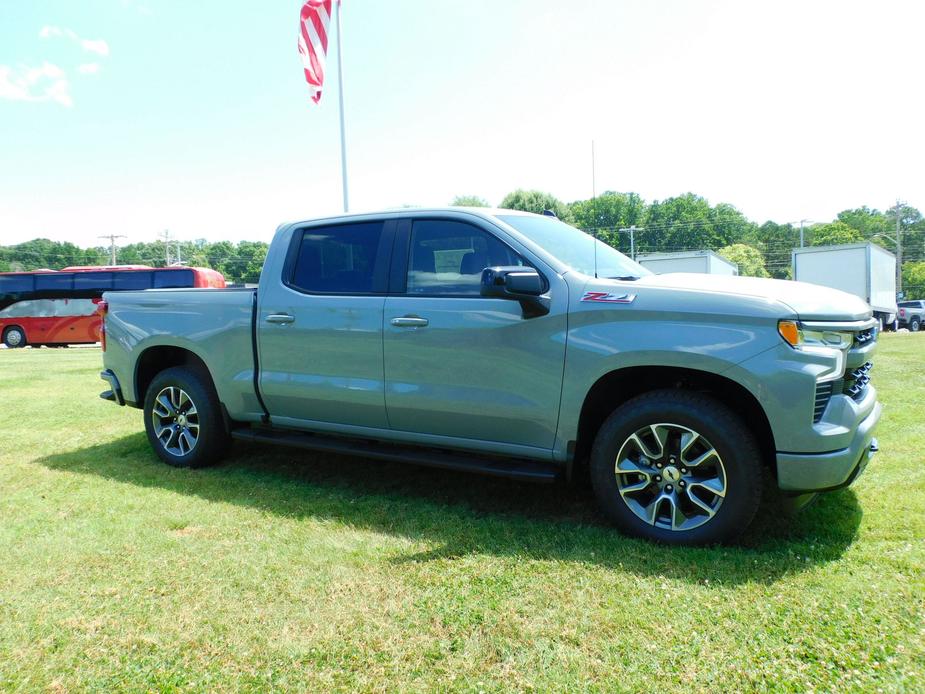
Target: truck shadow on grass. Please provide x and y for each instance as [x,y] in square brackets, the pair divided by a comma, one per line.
[461,514]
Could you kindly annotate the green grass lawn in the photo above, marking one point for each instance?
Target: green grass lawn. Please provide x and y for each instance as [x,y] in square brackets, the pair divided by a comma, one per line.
[288,570]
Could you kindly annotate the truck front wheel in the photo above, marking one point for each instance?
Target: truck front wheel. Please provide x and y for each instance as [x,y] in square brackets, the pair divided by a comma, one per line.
[914,325]
[183,418]
[678,467]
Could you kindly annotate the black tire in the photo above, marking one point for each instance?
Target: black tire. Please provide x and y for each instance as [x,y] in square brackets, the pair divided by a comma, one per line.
[14,337]
[212,439]
[739,461]
[914,325]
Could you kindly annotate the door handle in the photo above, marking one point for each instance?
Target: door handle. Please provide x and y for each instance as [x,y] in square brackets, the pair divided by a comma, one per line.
[280,318]
[409,322]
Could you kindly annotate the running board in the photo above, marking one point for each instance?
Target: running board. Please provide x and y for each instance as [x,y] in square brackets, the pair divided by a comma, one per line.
[518,469]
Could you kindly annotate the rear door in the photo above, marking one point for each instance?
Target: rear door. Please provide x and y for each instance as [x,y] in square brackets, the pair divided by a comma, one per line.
[460,365]
[319,327]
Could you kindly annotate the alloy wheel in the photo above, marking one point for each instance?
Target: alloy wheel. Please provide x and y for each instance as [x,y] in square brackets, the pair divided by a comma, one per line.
[670,476]
[176,421]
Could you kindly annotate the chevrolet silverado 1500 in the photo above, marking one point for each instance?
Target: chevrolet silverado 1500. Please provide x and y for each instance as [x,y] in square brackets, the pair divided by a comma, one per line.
[511,344]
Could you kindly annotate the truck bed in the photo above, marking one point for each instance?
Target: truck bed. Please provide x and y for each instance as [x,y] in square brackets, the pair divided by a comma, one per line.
[215,324]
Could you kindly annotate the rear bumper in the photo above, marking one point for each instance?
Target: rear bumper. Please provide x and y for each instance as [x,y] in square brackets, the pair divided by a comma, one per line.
[114,394]
[817,472]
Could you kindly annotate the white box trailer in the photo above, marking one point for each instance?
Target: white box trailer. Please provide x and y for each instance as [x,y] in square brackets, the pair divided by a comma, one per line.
[706,262]
[863,269]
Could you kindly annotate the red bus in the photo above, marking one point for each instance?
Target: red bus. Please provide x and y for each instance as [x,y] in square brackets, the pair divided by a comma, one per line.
[60,307]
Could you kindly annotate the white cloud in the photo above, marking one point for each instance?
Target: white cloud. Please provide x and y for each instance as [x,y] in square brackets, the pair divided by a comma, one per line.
[98,46]
[49,32]
[88,68]
[47,82]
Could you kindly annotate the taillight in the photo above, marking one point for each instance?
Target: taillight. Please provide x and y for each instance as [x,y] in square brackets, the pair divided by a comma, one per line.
[103,308]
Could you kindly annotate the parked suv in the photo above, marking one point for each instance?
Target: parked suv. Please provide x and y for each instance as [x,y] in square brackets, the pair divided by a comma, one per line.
[511,344]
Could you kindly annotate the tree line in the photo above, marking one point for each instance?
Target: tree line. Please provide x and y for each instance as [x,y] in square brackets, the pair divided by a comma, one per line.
[681,223]
[689,222]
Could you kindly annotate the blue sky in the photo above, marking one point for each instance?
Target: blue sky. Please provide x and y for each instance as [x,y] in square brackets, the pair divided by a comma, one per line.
[193,116]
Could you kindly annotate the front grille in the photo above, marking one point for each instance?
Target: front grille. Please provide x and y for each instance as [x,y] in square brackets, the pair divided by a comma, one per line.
[862,337]
[856,381]
[823,395]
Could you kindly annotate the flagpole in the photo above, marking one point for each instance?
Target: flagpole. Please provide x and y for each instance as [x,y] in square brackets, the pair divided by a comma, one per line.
[340,94]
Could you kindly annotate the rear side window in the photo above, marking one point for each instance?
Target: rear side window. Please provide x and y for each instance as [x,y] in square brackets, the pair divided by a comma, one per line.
[339,259]
[125,281]
[448,257]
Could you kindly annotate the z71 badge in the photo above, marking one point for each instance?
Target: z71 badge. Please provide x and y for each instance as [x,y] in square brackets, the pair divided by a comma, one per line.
[608,298]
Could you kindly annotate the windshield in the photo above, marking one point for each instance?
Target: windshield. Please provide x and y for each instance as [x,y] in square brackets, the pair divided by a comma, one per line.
[575,248]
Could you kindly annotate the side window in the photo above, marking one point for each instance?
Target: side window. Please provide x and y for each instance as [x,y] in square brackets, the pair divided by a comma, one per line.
[339,259]
[132,279]
[58,281]
[448,257]
[173,279]
[93,281]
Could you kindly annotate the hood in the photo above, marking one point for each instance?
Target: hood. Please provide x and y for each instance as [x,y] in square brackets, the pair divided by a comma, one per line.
[808,301]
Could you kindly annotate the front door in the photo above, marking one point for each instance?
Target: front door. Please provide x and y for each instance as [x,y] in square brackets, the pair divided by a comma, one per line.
[319,327]
[459,365]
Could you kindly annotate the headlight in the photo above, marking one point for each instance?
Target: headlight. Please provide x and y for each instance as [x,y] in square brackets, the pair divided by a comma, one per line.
[798,337]
[827,343]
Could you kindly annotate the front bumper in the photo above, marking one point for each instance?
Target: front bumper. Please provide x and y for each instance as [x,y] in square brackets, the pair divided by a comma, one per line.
[817,472]
[114,394]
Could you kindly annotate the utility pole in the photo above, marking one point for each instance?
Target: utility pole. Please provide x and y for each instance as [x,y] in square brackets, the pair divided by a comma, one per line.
[166,236]
[112,245]
[179,260]
[632,229]
[802,221]
[899,247]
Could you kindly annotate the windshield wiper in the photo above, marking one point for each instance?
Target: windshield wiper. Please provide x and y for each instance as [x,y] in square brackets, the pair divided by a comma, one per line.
[625,278]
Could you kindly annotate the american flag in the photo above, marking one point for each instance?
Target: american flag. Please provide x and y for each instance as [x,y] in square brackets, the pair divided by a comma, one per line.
[313,42]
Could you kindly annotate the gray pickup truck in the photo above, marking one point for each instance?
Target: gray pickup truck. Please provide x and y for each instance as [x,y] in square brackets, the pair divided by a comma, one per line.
[511,344]
[911,315]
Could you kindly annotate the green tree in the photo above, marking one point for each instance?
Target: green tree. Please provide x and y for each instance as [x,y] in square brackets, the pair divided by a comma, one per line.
[606,214]
[469,201]
[681,223]
[833,234]
[536,201]
[776,242]
[748,258]
[729,226]
[914,279]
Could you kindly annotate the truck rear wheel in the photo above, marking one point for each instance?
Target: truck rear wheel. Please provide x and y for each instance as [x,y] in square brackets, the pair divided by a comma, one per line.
[914,325]
[677,467]
[183,418]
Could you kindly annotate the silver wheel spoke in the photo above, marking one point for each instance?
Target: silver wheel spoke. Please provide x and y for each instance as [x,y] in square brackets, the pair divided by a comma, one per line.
[642,447]
[714,485]
[166,409]
[688,439]
[660,432]
[702,458]
[697,502]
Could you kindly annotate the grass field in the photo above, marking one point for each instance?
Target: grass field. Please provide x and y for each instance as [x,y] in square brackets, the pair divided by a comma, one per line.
[288,570]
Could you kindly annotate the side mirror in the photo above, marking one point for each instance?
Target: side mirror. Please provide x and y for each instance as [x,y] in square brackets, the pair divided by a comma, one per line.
[523,284]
